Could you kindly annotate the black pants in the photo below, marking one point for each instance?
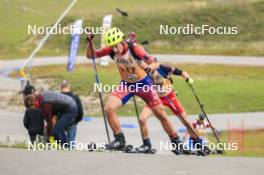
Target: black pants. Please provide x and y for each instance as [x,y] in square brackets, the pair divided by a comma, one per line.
[33,136]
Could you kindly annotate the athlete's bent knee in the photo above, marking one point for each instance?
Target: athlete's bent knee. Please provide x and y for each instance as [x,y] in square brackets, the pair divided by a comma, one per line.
[142,122]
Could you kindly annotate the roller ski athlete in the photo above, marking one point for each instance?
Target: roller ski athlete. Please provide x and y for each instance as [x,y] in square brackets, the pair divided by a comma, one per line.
[161,76]
[201,125]
[133,78]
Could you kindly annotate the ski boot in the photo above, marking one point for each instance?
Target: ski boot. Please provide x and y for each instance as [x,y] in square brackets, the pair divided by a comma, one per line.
[146,147]
[201,148]
[178,147]
[118,144]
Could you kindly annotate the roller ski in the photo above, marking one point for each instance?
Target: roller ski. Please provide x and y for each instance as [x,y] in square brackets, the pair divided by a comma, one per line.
[217,151]
[202,149]
[145,149]
[118,144]
[206,151]
[178,148]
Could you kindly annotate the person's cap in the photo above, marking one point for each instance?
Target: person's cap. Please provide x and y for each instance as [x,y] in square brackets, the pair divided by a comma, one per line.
[65,84]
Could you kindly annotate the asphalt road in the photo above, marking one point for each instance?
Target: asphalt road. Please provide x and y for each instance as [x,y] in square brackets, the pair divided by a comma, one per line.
[11,127]
[229,60]
[21,162]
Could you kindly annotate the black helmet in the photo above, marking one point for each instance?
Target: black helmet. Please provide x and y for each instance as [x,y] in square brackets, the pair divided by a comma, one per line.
[201,116]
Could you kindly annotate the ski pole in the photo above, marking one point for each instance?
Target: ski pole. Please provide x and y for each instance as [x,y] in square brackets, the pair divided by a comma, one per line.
[132,35]
[100,93]
[140,128]
[203,111]
[183,119]
[123,13]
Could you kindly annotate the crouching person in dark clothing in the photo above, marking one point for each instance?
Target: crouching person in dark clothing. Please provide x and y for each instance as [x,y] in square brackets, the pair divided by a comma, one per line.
[33,120]
[71,130]
[54,103]
[28,90]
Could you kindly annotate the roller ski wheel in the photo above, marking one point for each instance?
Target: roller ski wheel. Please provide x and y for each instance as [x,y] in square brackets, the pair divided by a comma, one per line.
[143,149]
[129,149]
[92,146]
[201,153]
[218,151]
[151,151]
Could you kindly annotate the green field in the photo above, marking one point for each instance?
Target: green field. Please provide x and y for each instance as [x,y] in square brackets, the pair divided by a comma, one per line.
[221,88]
[250,142]
[144,18]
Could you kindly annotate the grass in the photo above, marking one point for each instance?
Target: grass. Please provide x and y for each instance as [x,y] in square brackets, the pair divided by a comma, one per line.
[143,19]
[14,145]
[250,142]
[221,88]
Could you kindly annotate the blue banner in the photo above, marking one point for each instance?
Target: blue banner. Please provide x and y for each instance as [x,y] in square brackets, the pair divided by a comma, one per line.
[73,52]
[75,40]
